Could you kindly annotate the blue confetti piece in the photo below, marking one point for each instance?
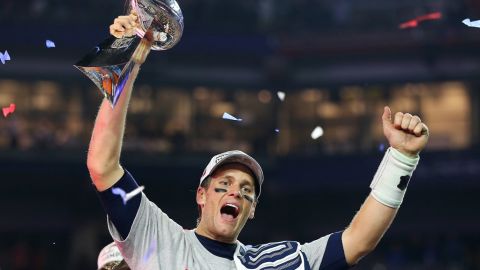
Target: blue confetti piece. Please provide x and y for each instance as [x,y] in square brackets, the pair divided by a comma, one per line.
[381,147]
[227,116]
[49,44]
[6,55]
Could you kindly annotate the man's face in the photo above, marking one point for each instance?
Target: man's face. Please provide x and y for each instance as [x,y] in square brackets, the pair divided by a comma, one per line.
[227,203]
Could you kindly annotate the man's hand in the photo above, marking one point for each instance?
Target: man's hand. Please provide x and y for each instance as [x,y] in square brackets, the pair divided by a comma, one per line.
[124,26]
[406,133]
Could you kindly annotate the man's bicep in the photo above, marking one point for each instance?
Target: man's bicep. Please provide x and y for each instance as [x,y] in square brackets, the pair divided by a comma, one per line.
[120,211]
[326,253]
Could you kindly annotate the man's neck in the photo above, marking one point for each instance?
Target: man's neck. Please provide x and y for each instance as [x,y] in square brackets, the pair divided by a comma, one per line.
[206,233]
[217,248]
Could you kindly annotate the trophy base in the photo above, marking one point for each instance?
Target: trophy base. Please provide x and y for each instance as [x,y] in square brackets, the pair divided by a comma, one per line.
[109,65]
[110,80]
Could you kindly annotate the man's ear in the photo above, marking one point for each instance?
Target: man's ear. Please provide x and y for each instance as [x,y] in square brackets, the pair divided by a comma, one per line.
[201,196]
[252,210]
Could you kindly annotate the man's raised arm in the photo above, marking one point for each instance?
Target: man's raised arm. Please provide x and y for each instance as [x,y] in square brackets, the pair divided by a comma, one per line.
[103,160]
[407,136]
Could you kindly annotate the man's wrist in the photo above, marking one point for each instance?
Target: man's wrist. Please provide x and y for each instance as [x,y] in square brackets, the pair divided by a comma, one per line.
[409,158]
[392,177]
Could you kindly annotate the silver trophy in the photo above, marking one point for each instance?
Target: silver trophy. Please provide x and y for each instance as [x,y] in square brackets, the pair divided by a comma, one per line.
[110,63]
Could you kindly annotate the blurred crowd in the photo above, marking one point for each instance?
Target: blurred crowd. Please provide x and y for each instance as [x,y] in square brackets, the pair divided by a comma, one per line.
[181,120]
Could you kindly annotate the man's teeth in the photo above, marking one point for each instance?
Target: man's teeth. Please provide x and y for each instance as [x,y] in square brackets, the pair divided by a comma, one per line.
[232,205]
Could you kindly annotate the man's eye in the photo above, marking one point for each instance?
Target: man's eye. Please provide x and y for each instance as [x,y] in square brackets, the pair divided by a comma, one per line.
[247,190]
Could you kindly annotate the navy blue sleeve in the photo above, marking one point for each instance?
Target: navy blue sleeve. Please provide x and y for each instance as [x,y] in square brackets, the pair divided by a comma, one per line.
[334,256]
[121,215]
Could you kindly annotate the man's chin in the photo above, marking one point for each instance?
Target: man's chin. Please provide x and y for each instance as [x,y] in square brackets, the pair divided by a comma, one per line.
[226,232]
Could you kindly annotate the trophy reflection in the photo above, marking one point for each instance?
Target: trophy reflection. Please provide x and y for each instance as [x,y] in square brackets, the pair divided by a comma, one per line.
[110,63]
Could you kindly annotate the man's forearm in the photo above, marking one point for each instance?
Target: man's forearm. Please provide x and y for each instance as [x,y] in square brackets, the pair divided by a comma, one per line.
[366,229]
[103,159]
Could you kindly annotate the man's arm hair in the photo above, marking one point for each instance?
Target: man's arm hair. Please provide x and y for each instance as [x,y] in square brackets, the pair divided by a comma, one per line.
[103,159]
[366,229]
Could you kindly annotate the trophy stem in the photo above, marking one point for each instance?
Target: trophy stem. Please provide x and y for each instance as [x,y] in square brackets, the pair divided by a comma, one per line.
[138,58]
[143,49]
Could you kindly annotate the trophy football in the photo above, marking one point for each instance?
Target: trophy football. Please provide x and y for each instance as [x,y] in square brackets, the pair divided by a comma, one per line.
[110,64]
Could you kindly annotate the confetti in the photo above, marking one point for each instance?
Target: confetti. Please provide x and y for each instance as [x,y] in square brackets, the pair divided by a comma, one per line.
[277,130]
[49,44]
[414,23]
[8,110]
[381,147]
[227,116]
[317,133]
[127,196]
[4,57]
[471,23]
[281,95]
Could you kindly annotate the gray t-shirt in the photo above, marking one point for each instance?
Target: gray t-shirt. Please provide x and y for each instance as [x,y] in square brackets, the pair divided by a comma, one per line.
[157,242]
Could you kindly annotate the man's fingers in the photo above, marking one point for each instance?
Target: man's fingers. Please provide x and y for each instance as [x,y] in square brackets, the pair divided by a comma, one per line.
[418,129]
[117,30]
[133,17]
[127,22]
[124,26]
[413,123]
[406,121]
[421,129]
[397,121]
[387,114]
[387,117]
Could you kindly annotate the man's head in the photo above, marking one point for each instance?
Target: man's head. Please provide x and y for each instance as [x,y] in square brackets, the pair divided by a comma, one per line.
[110,258]
[227,195]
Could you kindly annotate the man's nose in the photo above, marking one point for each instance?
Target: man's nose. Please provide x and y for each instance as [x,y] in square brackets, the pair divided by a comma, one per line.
[235,192]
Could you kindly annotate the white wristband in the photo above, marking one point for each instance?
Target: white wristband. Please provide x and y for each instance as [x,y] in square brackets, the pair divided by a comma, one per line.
[391,179]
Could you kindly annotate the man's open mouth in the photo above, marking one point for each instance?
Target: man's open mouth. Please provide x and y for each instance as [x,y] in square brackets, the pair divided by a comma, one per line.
[230,211]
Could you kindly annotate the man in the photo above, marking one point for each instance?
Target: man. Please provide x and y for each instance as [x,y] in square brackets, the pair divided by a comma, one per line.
[227,196]
[110,258]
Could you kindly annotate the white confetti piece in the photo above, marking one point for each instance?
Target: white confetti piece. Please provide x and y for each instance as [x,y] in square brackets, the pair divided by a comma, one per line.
[471,23]
[281,95]
[317,133]
[127,196]
[227,116]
